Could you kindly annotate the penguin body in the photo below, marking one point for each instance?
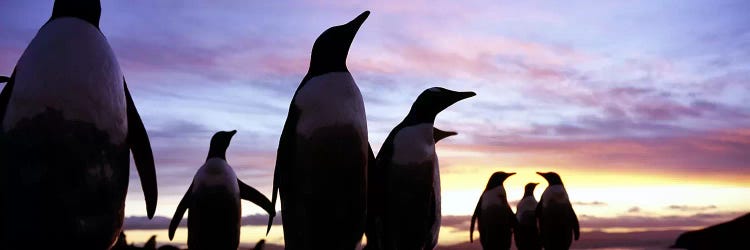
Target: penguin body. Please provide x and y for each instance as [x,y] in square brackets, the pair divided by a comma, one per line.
[527,235]
[68,126]
[496,219]
[323,154]
[558,223]
[374,230]
[214,201]
[405,181]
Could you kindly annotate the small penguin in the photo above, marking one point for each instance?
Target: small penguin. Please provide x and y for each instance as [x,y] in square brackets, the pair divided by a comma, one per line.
[496,219]
[405,181]
[527,235]
[374,230]
[214,201]
[558,223]
[67,127]
[324,153]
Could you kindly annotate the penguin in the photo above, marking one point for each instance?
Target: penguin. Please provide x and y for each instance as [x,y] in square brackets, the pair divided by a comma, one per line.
[527,235]
[323,153]
[214,201]
[726,235]
[374,230]
[558,223]
[405,184]
[496,220]
[67,126]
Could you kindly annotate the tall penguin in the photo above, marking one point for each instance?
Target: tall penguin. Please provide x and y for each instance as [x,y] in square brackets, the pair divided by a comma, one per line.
[527,234]
[323,154]
[374,229]
[68,126]
[407,199]
[214,201]
[496,219]
[558,223]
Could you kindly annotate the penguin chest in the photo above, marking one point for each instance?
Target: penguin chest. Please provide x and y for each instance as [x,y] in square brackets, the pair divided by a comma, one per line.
[216,175]
[554,195]
[69,68]
[330,101]
[494,198]
[414,145]
[331,143]
[526,208]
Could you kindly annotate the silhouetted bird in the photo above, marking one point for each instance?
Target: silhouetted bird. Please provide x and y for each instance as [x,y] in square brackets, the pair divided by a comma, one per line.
[323,154]
[558,223]
[727,235]
[527,234]
[68,127]
[405,183]
[214,201]
[374,229]
[496,219]
[260,245]
[122,244]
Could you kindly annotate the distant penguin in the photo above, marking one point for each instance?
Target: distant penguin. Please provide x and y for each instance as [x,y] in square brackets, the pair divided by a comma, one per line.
[496,219]
[323,154]
[214,201]
[374,230]
[68,125]
[558,223]
[527,234]
[405,184]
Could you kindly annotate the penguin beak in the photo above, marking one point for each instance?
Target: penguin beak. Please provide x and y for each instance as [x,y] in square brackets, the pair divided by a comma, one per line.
[510,174]
[353,26]
[231,133]
[358,21]
[453,97]
[440,134]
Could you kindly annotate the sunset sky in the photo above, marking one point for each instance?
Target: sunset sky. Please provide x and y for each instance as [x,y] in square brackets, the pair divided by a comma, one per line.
[640,106]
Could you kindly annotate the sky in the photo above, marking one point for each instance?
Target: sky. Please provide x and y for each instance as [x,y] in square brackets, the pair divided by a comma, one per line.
[640,106]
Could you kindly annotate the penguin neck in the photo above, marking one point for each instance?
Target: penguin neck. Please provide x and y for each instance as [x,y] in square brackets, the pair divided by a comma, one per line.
[416,117]
[528,193]
[216,153]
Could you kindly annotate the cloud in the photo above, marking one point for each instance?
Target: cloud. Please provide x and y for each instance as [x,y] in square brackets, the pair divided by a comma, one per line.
[686,208]
[592,203]
[634,210]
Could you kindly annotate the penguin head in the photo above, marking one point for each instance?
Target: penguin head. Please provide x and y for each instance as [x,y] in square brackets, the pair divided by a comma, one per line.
[551,177]
[332,46]
[219,144]
[433,100]
[497,179]
[88,10]
[438,134]
[529,189]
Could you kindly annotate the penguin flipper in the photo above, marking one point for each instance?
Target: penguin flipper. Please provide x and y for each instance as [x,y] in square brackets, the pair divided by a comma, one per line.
[5,95]
[284,155]
[576,226]
[249,193]
[4,79]
[181,208]
[477,212]
[144,158]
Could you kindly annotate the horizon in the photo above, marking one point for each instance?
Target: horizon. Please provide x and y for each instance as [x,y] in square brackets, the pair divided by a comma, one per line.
[641,107]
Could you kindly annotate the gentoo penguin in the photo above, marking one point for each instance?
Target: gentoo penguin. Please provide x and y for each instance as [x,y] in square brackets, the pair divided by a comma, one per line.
[68,126]
[558,224]
[405,185]
[374,230]
[496,219]
[727,235]
[323,154]
[214,201]
[527,233]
